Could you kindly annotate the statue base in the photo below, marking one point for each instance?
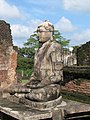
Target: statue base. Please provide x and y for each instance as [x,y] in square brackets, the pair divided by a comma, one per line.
[42,105]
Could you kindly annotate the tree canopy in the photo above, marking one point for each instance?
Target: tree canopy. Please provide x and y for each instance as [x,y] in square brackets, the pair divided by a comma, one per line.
[60,39]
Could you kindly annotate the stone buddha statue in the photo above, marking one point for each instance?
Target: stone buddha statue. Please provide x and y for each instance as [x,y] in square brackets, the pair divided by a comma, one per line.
[44,84]
[48,64]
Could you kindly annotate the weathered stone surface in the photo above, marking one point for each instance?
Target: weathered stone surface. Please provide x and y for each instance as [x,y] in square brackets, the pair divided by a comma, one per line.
[70,58]
[43,105]
[22,112]
[57,114]
[44,94]
[48,63]
[5,34]
[48,67]
[83,55]
[45,31]
[76,107]
[8,57]
[48,71]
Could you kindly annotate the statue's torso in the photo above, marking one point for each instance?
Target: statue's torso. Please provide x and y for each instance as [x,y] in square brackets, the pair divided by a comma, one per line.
[48,63]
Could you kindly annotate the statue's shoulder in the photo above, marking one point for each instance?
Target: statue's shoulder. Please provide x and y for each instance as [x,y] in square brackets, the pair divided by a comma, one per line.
[55,44]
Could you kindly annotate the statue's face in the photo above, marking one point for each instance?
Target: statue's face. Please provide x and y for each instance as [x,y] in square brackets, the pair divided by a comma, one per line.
[44,34]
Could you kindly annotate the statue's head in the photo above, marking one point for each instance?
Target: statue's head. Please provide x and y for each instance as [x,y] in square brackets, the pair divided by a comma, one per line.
[45,31]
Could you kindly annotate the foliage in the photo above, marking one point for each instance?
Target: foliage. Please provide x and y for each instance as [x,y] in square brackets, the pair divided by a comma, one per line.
[60,39]
[24,81]
[31,44]
[24,62]
[75,49]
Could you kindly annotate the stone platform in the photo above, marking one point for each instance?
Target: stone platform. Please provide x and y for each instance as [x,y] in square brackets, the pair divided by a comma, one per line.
[20,111]
[76,107]
[42,105]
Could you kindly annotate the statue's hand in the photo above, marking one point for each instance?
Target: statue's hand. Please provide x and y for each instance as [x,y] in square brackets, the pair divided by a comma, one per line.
[33,84]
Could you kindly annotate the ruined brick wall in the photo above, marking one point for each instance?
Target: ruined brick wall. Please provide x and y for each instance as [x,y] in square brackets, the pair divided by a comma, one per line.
[83,55]
[82,87]
[8,57]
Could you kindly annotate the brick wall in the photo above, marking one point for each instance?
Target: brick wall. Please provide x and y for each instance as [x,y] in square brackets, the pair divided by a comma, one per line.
[8,57]
[82,87]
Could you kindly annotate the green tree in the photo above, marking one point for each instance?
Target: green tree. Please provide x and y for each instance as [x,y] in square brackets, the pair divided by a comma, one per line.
[24,61]
[75,49]
[31,44]
[60,39]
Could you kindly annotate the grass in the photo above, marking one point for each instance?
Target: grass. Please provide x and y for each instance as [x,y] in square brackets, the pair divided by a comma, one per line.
[24,81]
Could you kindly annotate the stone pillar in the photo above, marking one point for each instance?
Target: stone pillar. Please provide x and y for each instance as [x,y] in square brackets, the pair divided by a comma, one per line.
[8,57]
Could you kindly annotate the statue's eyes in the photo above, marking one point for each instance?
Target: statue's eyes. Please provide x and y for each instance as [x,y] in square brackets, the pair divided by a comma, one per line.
[39,31]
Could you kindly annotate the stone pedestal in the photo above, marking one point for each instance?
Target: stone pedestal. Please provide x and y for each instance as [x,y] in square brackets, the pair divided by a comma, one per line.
[42,105]
[20,111]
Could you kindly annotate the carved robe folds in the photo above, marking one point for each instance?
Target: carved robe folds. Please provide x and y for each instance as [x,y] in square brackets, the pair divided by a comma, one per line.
[48,72]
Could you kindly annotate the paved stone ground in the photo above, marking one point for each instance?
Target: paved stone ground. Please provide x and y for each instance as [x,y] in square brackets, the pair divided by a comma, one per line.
[22,112]
[76,107]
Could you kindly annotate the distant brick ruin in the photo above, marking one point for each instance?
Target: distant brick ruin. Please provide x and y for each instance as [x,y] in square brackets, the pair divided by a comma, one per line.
[83,55]
[75,86]
[8,57]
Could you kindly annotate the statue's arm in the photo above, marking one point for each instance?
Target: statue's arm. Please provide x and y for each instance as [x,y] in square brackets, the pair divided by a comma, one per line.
[57,66]
[56,59]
